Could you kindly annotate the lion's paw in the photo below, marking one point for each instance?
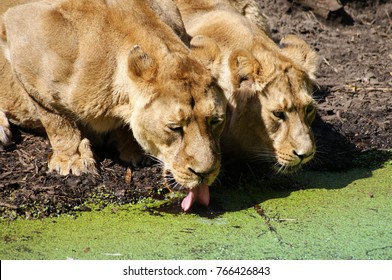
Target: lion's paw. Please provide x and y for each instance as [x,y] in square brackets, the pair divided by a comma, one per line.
[5,132]
[77,164]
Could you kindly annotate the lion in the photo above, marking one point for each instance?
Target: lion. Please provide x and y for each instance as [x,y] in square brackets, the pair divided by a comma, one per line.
[268,86]
[104,65]
[12,94]
[129,151]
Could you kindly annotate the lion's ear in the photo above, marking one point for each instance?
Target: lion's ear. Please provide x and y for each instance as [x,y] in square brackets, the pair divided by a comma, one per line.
[300,52]
[245,70]
[141,65]
[207,51]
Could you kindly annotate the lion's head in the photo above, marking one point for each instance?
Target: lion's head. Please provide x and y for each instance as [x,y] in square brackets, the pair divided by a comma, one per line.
[178,119]
[273,108]
[270,99]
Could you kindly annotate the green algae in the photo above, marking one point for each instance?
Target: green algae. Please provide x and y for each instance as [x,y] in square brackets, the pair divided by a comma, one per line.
[334,216]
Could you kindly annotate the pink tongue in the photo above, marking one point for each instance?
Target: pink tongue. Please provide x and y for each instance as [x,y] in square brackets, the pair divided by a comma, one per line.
[200,194]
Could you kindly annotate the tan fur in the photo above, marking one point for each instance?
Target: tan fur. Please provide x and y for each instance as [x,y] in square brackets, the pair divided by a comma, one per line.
[24,114]
[252,10]
[268,88]
[168,12]
[12,96]
[105,65]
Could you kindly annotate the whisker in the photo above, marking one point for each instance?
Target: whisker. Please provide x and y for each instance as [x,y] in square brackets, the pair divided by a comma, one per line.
[159,161]
[218,181]
[261,155]
[258,149]
[171,182]
[258,153]
[263,159]
[320,152]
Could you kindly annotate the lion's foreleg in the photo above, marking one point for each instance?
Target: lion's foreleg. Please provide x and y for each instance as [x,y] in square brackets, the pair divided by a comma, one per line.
[71,153]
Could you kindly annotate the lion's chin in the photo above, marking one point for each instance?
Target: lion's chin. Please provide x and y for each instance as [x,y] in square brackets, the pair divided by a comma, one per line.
[286,168]
[199,194]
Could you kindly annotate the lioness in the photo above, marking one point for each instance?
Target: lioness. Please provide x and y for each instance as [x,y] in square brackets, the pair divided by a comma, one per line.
[120,138]
[268,86]
[104,64]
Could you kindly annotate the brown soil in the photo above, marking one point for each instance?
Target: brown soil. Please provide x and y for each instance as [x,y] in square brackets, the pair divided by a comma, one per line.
[355,115]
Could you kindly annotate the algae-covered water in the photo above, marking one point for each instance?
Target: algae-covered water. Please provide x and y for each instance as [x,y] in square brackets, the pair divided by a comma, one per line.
[335,216]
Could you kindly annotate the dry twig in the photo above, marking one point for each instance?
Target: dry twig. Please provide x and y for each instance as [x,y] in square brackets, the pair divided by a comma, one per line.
[333,68]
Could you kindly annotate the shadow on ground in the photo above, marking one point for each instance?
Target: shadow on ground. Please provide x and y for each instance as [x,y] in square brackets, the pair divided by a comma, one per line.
[243,189]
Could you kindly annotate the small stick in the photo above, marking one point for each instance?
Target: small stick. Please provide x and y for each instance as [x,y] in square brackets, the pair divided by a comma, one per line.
[333,68]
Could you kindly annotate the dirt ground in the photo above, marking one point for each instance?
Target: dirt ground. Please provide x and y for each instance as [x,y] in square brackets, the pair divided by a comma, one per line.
[354,116]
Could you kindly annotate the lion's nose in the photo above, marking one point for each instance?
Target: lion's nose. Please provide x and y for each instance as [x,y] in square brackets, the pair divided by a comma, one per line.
[201,174]
[303,156]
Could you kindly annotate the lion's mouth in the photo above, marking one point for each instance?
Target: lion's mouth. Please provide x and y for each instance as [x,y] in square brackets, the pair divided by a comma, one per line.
[286,165]
[199,194]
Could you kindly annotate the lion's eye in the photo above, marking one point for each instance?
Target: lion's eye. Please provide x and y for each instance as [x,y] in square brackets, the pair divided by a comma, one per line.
[279,114]
[175,128]
[215,121]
